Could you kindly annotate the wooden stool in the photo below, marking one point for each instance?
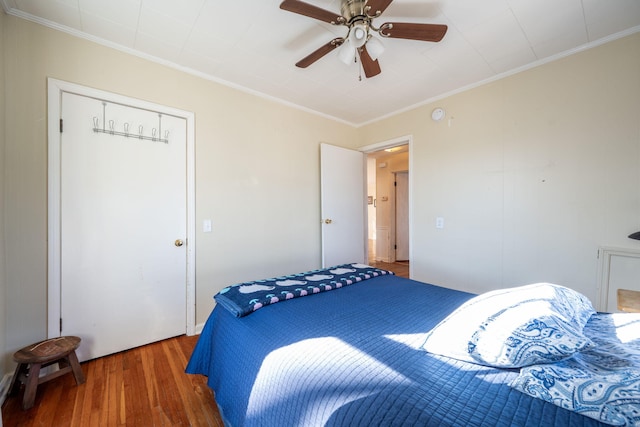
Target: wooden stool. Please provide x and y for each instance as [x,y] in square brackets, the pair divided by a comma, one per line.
[36,356]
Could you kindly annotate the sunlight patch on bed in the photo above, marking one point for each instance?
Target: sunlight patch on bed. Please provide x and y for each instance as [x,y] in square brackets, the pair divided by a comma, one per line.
[413,341]
[296,372]
[627,326]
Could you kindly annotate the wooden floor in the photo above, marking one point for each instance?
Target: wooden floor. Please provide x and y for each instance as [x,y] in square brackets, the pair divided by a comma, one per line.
[145,386]
[401,269]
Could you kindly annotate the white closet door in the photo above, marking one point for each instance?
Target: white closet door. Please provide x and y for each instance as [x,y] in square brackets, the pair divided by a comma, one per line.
[123,215]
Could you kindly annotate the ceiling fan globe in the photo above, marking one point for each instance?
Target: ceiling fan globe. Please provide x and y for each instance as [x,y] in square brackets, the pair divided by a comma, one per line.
[358,34]
[375,47]
[347,52]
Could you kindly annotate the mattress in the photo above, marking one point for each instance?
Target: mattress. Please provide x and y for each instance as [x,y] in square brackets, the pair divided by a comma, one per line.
[354,357]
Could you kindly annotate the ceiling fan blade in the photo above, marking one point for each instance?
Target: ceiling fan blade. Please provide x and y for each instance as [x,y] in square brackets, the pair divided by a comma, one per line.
[378,6]
[405,30]
[319,53]
[311,11]
[371,68]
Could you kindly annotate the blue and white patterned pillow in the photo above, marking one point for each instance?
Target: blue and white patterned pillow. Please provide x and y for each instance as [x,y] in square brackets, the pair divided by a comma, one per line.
[511,328]
[602,382]
[513,338]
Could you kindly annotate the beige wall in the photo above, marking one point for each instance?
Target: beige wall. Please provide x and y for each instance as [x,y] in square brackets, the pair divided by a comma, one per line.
[532,175]
[257,169]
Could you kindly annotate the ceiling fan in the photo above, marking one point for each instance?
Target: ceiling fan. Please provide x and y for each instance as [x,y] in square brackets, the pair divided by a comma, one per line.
[358,16]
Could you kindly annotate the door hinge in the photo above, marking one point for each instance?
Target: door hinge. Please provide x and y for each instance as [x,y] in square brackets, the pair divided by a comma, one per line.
[60,125]
[395,247]
[395,184]
[61,325]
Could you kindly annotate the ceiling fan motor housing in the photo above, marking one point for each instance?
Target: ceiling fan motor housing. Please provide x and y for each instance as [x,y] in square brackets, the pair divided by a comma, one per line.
[353,10]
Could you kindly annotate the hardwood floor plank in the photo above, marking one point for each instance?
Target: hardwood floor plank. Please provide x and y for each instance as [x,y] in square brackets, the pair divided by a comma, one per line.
[145,386]
[177,364]
[83,396]
[64,413]
[401,269]
[114,387]
[167,398]
[138,409]
[47,413]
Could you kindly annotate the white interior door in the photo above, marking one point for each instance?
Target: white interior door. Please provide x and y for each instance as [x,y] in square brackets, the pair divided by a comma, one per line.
[123,214]
[344,205]
[402,216]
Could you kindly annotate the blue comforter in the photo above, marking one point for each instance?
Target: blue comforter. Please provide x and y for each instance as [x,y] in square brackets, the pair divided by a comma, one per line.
[353,357]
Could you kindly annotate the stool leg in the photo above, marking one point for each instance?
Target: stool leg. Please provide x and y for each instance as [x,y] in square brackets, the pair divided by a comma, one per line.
[15,381]
[75,367]
[32,386]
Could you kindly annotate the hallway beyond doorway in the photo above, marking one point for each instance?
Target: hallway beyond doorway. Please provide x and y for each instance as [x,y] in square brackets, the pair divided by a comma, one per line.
[400,268]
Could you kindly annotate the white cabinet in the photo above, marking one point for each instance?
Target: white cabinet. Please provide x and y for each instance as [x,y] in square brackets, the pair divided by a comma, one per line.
[619,269]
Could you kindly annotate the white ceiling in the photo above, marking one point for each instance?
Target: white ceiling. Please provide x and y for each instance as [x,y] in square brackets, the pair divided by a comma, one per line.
[253,44]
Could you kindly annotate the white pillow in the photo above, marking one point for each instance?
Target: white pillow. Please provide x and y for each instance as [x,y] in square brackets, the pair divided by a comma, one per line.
[515,327]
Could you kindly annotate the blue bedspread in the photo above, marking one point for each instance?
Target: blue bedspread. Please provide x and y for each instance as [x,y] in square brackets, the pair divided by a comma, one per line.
[352,358]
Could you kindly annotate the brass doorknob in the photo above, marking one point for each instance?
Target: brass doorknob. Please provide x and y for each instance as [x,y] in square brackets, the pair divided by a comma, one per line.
[178,242]
[328,221]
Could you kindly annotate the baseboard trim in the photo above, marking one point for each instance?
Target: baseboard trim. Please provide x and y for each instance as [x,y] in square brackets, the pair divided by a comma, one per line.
[4,390]
[199,328]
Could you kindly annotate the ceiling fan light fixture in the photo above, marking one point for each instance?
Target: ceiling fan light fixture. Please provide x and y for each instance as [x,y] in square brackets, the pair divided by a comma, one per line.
[358,34]
[347,52]
[375,47]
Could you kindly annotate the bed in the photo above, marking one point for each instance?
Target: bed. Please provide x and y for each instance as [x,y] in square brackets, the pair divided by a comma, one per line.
[353,352]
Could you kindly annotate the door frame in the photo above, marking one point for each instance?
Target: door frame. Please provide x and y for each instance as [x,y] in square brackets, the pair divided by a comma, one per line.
[401,140]
[394,214]
[55,89]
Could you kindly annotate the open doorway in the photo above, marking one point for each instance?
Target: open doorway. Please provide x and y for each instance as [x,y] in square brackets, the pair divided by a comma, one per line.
[388,207]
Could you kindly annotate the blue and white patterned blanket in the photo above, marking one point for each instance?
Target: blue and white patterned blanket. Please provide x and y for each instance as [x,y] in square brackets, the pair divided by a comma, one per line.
[245,298]
[602,382]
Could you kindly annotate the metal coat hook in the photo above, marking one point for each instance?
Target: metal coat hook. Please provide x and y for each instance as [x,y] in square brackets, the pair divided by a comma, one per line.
[156,133]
